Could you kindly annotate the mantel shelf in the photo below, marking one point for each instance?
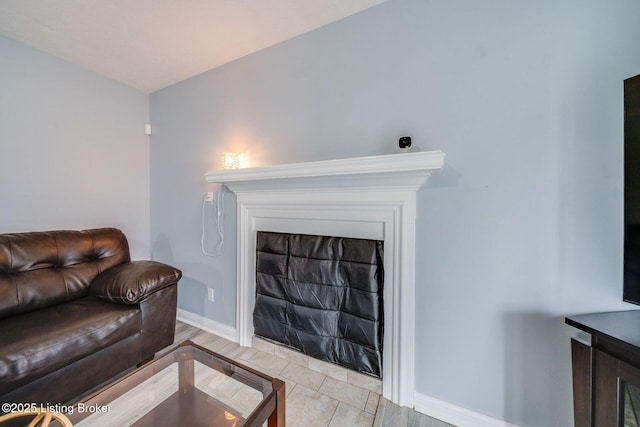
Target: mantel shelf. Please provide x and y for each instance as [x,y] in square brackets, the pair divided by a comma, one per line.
[405,170]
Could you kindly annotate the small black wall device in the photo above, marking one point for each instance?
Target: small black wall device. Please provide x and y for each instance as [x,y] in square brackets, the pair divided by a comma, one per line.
[404,142]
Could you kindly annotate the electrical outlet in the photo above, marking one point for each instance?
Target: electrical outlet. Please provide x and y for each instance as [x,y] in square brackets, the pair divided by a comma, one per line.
[210,295]
[208,198]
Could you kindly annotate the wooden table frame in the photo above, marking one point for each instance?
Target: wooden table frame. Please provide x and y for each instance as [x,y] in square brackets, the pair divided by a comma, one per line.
[271,409]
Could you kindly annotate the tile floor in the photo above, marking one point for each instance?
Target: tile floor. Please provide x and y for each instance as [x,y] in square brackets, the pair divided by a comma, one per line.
[318,393]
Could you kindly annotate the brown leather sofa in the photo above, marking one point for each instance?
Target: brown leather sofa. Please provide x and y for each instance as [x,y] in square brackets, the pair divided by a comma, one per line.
[75,311]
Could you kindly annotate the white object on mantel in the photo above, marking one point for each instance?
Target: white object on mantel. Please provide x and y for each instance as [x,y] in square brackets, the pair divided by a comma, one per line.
[367,198]
[406,170]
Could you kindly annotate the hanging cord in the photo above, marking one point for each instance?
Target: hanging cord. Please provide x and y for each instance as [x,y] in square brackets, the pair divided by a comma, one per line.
[219,213]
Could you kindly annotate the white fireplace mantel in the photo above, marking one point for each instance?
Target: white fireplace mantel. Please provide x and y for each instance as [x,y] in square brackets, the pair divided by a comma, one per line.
[366,197]
[406,170]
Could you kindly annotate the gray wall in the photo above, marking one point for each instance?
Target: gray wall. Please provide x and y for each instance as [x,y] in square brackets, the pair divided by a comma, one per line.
[73,153]
[522,227]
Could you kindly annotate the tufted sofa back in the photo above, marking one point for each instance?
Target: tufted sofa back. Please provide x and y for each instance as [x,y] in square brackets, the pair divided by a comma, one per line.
[40,269]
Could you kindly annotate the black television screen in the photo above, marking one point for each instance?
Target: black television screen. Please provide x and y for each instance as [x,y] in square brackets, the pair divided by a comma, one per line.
[631,288]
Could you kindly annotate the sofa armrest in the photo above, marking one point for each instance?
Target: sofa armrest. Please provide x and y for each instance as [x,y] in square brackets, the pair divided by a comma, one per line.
[131,282]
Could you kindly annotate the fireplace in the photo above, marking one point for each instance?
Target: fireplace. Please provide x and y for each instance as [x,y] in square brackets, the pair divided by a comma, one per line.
[322,296]
[363,198]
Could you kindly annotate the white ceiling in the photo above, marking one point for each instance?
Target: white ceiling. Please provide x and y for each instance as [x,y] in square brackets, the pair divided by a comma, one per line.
[151,44]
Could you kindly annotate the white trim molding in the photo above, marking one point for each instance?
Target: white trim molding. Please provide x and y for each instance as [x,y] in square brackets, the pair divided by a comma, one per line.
[455,415]
[404,171]
[211,326]
[367,197]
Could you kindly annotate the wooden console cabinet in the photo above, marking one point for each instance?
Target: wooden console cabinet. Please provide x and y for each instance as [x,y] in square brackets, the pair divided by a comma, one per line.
[606,374]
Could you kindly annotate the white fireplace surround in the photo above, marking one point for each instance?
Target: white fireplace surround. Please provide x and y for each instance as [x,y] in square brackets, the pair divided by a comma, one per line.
[366,197]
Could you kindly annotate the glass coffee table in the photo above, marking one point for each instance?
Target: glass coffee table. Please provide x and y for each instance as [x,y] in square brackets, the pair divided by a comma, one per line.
[188,386]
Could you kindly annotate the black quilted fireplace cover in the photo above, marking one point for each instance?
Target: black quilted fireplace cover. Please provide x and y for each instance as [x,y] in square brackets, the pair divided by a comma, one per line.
[322,296]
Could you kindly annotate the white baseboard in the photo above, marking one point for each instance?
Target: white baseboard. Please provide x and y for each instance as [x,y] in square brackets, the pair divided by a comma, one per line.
[453,414]
[216,328]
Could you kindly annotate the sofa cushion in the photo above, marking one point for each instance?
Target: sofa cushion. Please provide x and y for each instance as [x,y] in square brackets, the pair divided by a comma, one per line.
[73,330]
[40,269]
